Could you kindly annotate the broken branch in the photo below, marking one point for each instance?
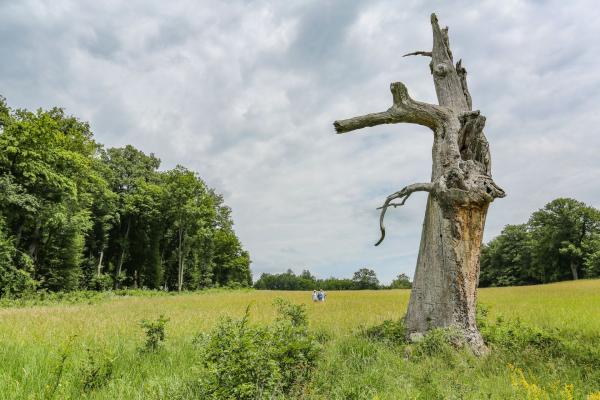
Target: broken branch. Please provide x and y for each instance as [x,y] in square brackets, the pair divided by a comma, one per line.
[404,109]
[418,53]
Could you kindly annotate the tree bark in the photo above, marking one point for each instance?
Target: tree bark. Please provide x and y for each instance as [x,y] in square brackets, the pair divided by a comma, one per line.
[461,188]
[35,237]
[100,262]
[574,270]
[122,258]
[180,262]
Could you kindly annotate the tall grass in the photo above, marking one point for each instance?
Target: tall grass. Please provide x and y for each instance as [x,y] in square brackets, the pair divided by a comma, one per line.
[33,340]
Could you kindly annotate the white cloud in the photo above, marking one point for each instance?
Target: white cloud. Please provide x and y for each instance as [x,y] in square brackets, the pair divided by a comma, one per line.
[245,93]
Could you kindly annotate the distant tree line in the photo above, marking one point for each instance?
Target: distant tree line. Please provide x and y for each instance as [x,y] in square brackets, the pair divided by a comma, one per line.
[364,278]
[559,242]
[75,215]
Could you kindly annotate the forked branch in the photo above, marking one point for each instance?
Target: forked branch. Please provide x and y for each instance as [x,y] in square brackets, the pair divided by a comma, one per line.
[403,194]
[404,109]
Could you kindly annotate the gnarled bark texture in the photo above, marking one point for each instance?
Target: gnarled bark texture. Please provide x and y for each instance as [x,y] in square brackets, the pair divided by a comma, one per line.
[461,188]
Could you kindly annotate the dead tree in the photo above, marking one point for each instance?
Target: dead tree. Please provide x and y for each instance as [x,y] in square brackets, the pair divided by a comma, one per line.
[460,191]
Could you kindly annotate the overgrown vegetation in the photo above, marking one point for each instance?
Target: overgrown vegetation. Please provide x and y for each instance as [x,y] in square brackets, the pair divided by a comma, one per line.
[389,331]
[74,215]
[245,361]
[526,362]
[544,344]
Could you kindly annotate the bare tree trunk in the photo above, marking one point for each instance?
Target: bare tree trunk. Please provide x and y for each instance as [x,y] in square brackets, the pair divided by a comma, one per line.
[574,270]
[35,237]
[180,262]
[122,258]
[461,188]
[100,261]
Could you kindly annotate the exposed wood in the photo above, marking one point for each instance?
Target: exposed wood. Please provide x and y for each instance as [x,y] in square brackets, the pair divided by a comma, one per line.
[462,74]
[180,261]
[418,53]
[574,270]
[122,258]
[461,188]
[99,268]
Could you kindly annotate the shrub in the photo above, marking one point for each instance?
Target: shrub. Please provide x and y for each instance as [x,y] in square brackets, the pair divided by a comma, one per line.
[439,342]
[295,313]
[57,370]
[96,371]
[236,285]
[388,331]
[15,283]
[101,282]
[243,361]
[155,333]
[513,335]
[516,336]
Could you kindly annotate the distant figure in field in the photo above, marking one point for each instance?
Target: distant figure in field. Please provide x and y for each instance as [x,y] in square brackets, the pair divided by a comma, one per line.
[321,295]
[315,297]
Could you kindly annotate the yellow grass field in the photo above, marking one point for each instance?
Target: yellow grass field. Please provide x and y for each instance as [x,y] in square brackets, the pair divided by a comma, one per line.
[566,305]
[30,336]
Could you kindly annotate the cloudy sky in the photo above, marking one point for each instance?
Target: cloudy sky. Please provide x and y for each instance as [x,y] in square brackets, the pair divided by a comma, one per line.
[245,92]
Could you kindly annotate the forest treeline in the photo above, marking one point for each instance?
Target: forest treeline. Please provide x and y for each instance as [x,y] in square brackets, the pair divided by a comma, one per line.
[364,278]
[559,242]
[74,215]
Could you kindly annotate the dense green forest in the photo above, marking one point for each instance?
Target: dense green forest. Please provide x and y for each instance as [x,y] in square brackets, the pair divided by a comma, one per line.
[74,215]
[559,242]
[364,278]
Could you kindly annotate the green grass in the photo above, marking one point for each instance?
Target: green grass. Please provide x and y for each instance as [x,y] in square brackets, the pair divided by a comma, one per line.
[33,339]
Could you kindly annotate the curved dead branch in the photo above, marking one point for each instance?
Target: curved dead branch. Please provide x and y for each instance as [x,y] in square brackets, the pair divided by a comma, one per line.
[403,194]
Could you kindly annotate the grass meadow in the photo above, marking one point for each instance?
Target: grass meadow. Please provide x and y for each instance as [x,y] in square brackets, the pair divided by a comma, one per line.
[45,350]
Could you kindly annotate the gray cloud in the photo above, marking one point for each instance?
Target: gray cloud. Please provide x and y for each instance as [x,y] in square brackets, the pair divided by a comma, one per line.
[245,92]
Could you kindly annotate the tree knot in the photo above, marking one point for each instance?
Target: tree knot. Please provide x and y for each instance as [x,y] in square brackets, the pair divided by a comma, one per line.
[441,69]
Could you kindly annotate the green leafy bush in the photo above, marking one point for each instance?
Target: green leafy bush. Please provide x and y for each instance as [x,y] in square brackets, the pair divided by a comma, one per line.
[234,285]
[513,335]
[58,369]
[155,333]
[15,283]
[294,313]
[439,342]
[96,371]
[101,282]
[243,361]
[388,331]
